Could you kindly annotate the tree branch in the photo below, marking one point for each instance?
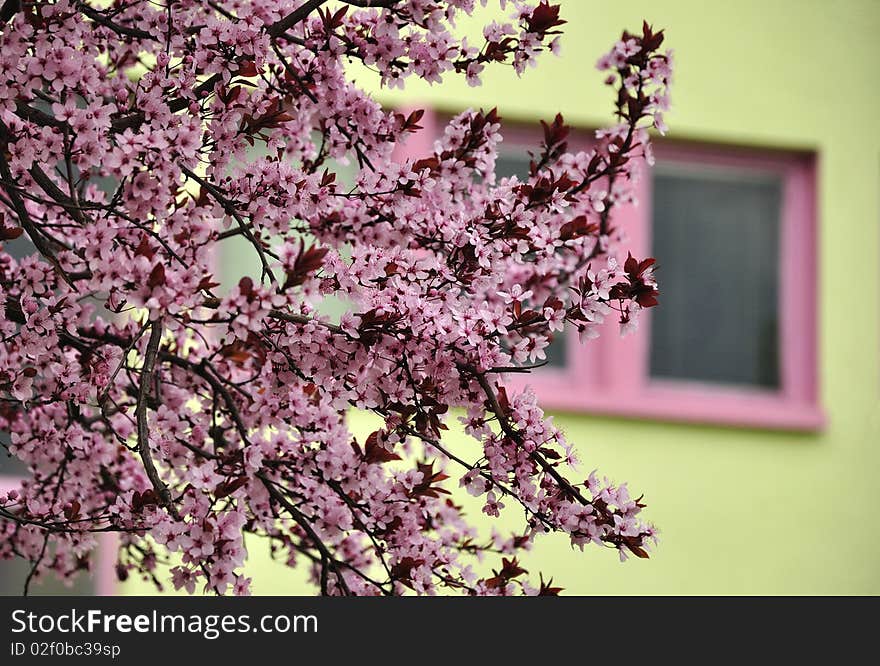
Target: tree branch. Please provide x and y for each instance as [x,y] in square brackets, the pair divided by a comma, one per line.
[9,9]
[516,436]
[57,194]
[21,212]
[385,4]
[22,110]
[100,19]
[148,373]
[229,207]
[214,303]
[300,13]
[303,522]
[133,120]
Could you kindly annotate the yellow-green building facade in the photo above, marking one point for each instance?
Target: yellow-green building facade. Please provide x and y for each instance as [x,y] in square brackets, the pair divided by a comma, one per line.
[742,509]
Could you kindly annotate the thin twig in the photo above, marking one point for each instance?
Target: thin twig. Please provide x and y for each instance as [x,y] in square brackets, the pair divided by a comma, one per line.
[229,207]
[300,13]
[303,522]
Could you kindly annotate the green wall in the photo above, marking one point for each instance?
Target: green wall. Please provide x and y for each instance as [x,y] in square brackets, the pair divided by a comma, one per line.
[741,511]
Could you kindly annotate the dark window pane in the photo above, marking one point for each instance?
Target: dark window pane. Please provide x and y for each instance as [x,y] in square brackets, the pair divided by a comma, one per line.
[14,573]
[512,164]
[556,351]
[9,465]
[716,239]
[517,164]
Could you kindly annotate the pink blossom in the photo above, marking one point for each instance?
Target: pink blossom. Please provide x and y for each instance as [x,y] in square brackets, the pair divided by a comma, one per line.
[151,394]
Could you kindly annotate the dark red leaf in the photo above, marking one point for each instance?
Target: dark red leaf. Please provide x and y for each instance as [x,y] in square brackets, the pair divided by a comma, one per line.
[402,570]
[426,487]
[430,163]
[144,248]
[308,262]
[547,589]
[544,17]
[247,68]
[374,452]
[71,511]
[207,282]
[157,276]
[577,227]
[246,286]
[550,453]
[141,500]
[226,488]
[10,233]
[235,352]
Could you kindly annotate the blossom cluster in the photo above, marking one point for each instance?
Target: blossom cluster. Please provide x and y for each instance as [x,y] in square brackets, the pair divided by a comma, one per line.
[147,399]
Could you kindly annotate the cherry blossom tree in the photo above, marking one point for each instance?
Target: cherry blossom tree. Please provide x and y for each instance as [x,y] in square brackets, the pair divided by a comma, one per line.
[149,400]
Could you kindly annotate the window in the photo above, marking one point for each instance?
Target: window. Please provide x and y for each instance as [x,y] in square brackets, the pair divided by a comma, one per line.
[733,340]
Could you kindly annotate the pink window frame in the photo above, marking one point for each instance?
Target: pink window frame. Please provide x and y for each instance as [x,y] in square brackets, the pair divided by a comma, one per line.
[610,375]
